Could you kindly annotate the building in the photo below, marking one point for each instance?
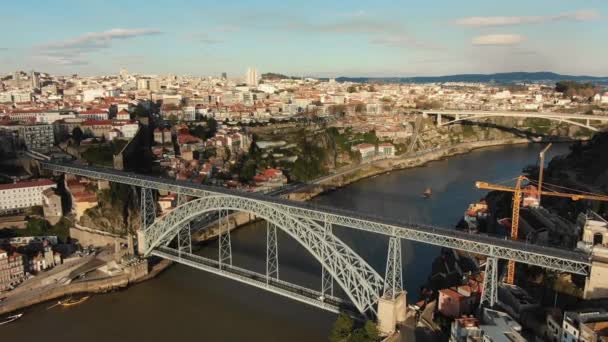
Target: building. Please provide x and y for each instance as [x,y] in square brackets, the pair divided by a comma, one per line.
[367,151]
[51,205]
[499,326]
[123,115]
[12,269]
[465,329]
[81,198]
[94,114]
[35,80]
[252,77]
[386,150]
[162,136]
[458,301]
[89,95]
[23,194]
[588,326]
[37,136]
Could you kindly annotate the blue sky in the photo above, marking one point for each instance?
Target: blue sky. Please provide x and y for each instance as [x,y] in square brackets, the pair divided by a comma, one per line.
[321,38]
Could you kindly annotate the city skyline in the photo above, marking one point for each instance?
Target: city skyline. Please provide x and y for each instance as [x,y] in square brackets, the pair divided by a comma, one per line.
[318,39]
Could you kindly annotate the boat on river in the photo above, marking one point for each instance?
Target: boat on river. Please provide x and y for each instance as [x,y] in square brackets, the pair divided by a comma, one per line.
[428,192]
[72,301]
[10,319]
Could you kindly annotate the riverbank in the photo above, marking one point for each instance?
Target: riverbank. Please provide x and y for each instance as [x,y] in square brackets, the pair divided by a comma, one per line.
[401,163]
[49,292]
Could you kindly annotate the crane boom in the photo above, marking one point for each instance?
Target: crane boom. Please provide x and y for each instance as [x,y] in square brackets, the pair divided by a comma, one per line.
[574,197]
[517,196]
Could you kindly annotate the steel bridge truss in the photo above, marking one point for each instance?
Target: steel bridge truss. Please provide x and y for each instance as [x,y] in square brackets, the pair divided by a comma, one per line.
[359,281]
[283,288]
[551,258]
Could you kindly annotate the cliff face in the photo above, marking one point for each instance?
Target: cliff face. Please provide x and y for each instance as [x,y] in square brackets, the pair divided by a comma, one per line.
[116,213]
[429,135]
[586,165]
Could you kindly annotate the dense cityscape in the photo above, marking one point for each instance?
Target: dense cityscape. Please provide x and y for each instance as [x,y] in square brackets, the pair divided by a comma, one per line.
[155,205]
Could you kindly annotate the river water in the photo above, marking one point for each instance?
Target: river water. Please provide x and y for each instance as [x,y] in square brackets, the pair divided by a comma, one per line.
[185,304]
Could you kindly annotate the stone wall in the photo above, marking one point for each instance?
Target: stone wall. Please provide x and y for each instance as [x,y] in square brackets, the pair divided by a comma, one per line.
[88,236]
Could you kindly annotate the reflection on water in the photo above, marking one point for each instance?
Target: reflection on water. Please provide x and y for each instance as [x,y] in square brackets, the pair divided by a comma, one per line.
[187,304]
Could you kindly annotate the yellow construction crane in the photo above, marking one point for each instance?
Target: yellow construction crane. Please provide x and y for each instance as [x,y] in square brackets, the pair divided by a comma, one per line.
[517,197]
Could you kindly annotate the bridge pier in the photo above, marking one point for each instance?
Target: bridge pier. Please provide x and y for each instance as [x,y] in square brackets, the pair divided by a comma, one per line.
[393,303]
[184,234]
[438,119]
[225,246]
[148,208]
[327,281]
[490,283]
[272,252]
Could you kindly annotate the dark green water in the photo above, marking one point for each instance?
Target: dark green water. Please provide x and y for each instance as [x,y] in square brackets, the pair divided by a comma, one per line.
[185,304]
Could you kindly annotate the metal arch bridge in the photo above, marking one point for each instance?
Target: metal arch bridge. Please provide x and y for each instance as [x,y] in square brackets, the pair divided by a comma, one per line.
[311,226]
[461,115]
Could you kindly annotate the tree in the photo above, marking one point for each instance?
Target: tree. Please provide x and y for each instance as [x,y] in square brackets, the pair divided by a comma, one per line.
[371,330]
[351,89]
[341,329]
[77,134]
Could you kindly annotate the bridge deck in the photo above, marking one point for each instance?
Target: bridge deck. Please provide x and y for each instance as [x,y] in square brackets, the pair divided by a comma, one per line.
[473,113]
[548,257]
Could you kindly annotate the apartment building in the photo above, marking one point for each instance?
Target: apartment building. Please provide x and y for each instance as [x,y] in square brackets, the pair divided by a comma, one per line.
[23,194]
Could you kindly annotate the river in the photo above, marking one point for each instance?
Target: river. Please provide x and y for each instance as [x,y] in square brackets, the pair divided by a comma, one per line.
[185,304]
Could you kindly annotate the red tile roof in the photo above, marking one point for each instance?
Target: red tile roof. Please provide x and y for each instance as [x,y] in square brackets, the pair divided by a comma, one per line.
[27,184]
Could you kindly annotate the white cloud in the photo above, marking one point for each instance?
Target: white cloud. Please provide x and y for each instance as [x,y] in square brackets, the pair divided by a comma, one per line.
[99,39]
[581,15]
[498,39]
[73,51]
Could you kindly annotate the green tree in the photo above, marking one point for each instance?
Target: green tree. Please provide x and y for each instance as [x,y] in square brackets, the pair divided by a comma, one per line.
[371,330]
[341,329]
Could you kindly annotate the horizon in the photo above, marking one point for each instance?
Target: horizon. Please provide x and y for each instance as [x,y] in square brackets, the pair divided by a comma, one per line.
[359,40]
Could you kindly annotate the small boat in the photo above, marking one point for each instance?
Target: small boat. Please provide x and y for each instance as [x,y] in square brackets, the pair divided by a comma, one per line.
[71,301]
[428,192]
[11,319]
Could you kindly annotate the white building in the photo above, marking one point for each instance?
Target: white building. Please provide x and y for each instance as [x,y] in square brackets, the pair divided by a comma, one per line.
[128,129]
[367,151]
[189,113]
[37,136]
[94,114]
[23,194]
[89,95]
[252,77]
[386,150]
[589,325]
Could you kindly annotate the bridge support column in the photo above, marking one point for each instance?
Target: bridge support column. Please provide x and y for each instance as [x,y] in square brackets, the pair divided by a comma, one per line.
[148,208]
[438,119]
[225,248]
[327,281]
[393,304]
[490,283]
[184,237]
[272,252]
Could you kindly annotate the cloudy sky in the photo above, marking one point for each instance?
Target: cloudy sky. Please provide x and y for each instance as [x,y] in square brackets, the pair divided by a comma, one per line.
[320,38]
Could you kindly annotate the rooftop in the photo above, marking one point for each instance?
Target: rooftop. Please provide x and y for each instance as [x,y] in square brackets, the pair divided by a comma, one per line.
[27,184]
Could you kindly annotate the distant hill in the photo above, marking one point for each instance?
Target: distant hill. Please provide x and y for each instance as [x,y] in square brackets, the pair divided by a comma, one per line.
[499,78]
[274,76]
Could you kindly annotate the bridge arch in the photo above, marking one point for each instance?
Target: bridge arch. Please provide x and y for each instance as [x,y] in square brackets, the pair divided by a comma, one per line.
[360,281]
[471,117]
